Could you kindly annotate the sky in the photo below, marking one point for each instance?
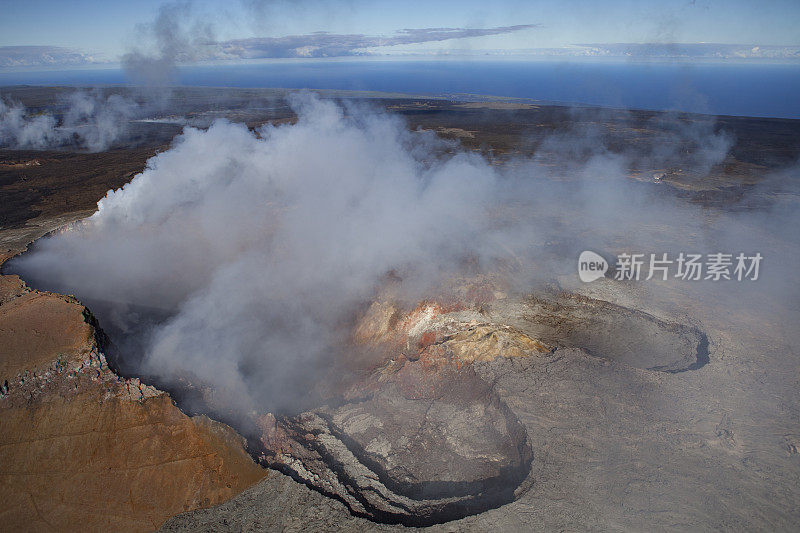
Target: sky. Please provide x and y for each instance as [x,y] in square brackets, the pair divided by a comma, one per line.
[105,30]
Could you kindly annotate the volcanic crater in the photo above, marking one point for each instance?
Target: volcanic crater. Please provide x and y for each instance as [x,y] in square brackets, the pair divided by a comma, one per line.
[414,435]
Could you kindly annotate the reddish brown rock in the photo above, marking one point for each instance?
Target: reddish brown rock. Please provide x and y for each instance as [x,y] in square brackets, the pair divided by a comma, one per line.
[36,327]
[82,449]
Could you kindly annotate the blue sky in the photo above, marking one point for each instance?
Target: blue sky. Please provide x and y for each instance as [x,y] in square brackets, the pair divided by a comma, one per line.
[108,28]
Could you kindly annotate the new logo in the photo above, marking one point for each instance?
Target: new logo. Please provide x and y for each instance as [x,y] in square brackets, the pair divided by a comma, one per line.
[591,266]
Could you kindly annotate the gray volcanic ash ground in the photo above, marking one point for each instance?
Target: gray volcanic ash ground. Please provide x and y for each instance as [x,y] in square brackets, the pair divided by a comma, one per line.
[395,321]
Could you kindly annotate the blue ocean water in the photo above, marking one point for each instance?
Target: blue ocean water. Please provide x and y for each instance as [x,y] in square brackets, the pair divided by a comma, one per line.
[725,88]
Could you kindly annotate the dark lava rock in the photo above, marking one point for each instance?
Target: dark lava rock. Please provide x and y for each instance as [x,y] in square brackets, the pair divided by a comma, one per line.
[427,441]
[607,330]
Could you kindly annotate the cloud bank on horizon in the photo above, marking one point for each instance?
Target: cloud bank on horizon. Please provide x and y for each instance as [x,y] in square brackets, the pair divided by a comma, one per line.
[200,46]
[330,45]
[30,56]
[219,30]
[324,44]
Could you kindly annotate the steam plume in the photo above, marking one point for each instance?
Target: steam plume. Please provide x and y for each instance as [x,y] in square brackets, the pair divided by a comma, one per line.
[252,249]
[90,121]
[173,36]
[257,245]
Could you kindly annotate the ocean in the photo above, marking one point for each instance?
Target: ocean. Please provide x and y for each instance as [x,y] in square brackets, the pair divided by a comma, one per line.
[725,88]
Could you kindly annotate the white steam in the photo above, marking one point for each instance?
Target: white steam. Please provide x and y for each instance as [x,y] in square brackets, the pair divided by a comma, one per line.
[260,244]
[89,121]
[174,36]
[236,257]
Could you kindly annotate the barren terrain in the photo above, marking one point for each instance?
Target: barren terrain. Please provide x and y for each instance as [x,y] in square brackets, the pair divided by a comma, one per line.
[612,405]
